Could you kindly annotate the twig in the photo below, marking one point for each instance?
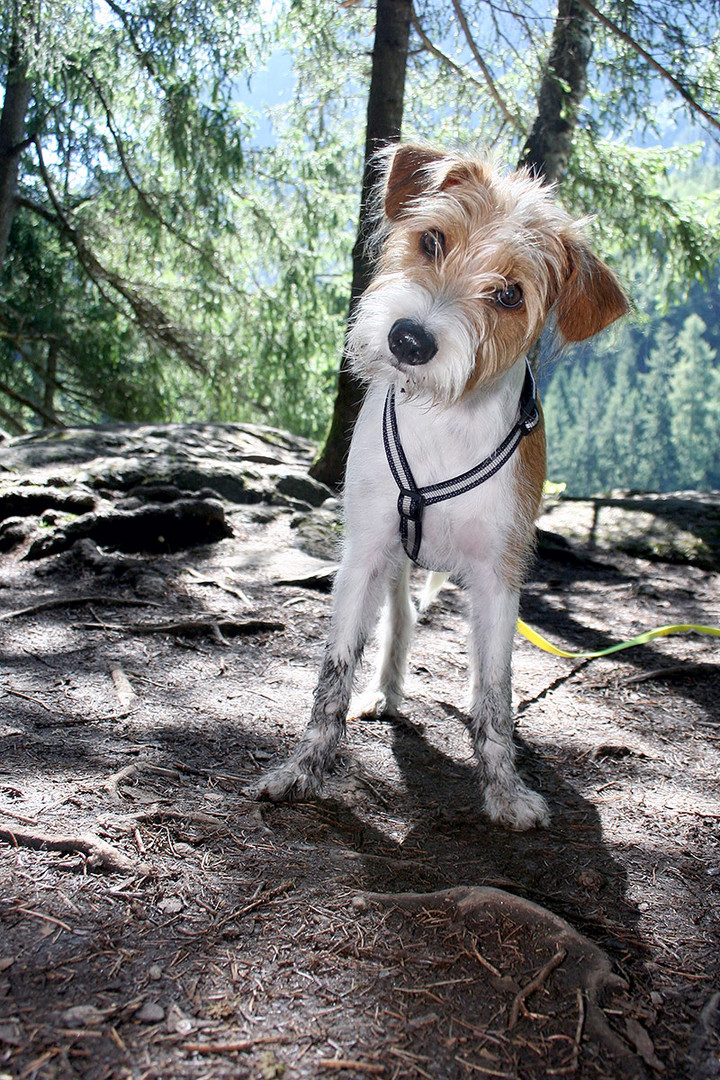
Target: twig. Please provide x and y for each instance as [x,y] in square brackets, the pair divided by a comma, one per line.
[18,817]
[235,591]
[487,76]
[352,1066]
[629,40]
[45,917]
[74,601]
[571,1067]
[123,688]
[238,1046]
[263,898]
[485,963]
[33,700]
[212,628]
[484,1069]
[98,853]
[534,984]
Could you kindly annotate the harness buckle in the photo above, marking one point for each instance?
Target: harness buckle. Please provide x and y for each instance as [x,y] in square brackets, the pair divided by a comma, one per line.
[530,419]
[411,505]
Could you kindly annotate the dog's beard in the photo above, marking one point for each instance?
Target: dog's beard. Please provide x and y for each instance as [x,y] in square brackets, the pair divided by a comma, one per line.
[442,379]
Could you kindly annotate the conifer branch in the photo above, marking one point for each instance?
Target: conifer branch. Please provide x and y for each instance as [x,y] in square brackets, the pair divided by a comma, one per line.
[641,51]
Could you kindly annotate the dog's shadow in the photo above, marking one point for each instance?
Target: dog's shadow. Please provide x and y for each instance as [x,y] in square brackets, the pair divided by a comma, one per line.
[567,867]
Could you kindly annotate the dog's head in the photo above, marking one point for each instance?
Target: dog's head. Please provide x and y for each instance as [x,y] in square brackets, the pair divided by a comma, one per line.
[472,262]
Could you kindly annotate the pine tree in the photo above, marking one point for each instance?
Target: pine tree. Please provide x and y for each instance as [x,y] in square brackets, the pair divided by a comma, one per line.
[618,428]
[692,397]
[657,460]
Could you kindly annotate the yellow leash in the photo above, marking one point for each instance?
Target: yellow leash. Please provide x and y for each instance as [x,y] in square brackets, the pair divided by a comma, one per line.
[641,639]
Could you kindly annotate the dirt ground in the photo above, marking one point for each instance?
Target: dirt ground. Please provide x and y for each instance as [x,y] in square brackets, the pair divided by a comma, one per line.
[155,921]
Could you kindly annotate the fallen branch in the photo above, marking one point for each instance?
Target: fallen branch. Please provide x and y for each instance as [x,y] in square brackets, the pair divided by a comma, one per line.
[534,984]
[100,856]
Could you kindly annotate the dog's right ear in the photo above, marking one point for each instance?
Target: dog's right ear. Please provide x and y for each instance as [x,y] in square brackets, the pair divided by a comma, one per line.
[407,178]
[591,297]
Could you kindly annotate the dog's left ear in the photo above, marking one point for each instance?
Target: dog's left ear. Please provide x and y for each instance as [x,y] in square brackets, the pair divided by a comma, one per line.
[591,297]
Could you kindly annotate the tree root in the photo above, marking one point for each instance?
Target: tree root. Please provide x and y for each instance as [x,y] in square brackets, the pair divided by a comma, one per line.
[99,854]
[112,783]
[216,629]
[74,601]
[580,965]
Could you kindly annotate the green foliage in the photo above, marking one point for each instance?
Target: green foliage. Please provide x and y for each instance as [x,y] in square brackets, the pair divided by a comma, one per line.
[181,249]
[614,424]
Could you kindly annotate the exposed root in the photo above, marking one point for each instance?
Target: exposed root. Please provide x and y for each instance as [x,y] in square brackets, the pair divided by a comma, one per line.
[218,630]
[74,601]
[582,966]
[99,854]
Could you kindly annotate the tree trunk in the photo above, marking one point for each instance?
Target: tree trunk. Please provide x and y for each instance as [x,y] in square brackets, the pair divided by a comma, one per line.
[12,133]
[548,147]
[50,379]
[384,121]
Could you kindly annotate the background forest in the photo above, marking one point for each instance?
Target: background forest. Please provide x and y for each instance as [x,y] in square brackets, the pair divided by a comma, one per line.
[179,191]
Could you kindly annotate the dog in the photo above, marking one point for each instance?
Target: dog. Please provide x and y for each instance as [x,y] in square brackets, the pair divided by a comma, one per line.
[472,263]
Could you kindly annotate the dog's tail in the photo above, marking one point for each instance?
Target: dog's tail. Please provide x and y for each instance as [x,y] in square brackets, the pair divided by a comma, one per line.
[433,584]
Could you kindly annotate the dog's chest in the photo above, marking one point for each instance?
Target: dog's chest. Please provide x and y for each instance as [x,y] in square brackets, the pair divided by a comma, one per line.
[439,444]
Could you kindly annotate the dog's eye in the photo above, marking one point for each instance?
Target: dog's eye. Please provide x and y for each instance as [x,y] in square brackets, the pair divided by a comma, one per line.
[432,244]
[510,297]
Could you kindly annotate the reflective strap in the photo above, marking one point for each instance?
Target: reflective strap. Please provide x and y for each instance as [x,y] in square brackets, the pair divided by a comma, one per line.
[412,500]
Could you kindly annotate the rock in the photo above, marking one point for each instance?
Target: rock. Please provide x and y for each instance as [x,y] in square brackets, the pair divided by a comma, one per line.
[152,528]
[302,488]
[11,1033]
[320,532]
[23,501]
[150,1013]
[79,1016]
[682,527]
[171,905]
[14,531]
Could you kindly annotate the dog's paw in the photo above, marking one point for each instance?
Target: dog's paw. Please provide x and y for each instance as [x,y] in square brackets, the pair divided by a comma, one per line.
[287,783]
[373,702]
[518,807]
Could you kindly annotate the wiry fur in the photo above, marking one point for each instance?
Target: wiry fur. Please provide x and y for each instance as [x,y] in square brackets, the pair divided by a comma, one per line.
[452,411]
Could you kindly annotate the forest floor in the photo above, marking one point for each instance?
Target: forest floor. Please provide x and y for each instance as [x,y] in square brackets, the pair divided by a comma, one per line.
[155,921]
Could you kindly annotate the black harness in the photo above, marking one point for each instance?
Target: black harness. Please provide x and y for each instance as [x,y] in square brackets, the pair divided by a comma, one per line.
[412,499]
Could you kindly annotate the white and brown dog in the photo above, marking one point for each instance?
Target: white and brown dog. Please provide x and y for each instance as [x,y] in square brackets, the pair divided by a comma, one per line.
[447,460]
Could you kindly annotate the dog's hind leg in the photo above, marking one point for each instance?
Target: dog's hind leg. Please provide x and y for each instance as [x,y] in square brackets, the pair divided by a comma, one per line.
[507,799]
[433,584]
[359,590]
[384,692]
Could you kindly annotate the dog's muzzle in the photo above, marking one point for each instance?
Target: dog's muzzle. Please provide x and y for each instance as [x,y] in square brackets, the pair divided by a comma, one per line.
[411,343]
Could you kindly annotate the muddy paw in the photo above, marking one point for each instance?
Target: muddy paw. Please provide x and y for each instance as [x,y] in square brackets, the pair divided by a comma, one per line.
[518,807]
[287,783]
[373,702]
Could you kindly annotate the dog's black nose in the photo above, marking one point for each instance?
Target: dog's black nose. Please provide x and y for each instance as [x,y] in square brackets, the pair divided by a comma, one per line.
[411,343]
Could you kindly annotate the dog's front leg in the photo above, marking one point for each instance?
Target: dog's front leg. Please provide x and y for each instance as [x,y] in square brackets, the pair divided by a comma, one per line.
[507,799]
[383,695]
[358,594]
